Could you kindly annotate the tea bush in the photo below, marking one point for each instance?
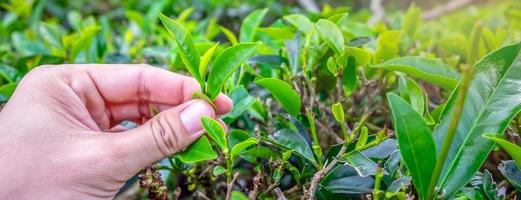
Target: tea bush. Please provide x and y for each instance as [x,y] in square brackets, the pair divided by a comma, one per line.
[413,105]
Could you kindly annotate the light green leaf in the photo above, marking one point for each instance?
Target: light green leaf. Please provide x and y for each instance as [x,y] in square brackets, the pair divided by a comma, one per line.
[412,20]
[250,24]
[205,60]
[338,112]
[331,34]
[362,138]
[431,70]
[493,99]
[229,34]
[512,149]
[239,147]
[215,131]
[301,22]
[218,170]
[417,146]
[83,41]
[226,63]
[236,195]
[283,93]
[200,150]
[185,45]
[412,93]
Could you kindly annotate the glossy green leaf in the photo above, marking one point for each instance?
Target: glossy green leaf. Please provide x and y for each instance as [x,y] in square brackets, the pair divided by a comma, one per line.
[343,179]
[417,146]
[218,170]
[338,112]
[230,35]
[291,140]
[332,66]
[494,98]
[200,150]
[185,45]
[512,149]
[205,60]
[431,70]
[362,164]
[226,63]
[331,34]
[301,22]
[412,93]
[283,93]
[250,24]
[215,131]
[239,147]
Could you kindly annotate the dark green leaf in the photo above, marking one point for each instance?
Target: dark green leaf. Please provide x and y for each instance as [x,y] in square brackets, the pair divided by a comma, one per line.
[350,78]
[291,140]
[494,98]
[225,64]
[362,164]
[241,102]
[415,141]
[283,93]
[511,172]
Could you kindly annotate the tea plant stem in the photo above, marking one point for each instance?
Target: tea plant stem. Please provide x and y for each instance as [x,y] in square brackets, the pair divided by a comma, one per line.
[316,145]
[229,167]
[447,142]
[280,195]
[230,186]
[377,180]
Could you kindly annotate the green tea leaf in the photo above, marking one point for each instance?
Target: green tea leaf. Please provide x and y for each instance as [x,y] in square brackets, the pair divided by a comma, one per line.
[291,140]
[331,34]
[350,77]
[236,195]
[412,93]
[412,20]
[250,24]
[230,35]
[225,64]
[338,112]
[494,98]
[431,70]
[417,146]
[200,150]
[242,100]
[239,147]
[283,93]
[185,45]
[83,41]
[218,170]
[512,149]
[362,138]
[215,131]
[205,60]
[362,164]
[301,22]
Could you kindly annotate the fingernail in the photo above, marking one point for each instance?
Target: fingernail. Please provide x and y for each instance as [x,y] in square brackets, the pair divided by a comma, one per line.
[191,116]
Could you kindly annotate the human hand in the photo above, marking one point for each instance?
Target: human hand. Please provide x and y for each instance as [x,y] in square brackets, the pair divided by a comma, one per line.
[59,137]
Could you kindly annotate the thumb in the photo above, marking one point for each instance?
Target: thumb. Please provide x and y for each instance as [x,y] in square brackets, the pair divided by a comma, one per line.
[168,132]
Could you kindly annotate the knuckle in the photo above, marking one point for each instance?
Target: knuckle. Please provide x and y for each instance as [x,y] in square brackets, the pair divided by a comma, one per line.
[167,134]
